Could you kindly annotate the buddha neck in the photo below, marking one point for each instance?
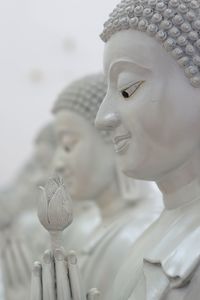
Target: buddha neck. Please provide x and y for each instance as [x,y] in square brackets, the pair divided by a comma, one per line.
[109,201]
[181,185]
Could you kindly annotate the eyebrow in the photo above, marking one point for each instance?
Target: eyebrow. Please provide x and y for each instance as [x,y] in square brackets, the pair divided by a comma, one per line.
[129,84]
[62,132]
[116,65]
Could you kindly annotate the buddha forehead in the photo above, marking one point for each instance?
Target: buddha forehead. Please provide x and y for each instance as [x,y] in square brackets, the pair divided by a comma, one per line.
[69,121]
[131,46]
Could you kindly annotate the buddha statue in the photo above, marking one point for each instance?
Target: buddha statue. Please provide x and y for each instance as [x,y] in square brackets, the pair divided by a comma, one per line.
[22,237]
[86,161]
[20,201]
[23,190]
[152,108]
[38,167]
[80,147]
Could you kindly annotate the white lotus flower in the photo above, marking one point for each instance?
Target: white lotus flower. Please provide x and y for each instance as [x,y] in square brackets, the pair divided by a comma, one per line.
[55,205]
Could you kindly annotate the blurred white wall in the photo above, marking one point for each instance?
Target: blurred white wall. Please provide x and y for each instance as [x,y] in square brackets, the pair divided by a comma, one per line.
[44,45]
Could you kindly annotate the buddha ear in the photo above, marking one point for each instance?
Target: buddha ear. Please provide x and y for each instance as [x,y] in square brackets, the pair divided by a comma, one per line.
[130,189]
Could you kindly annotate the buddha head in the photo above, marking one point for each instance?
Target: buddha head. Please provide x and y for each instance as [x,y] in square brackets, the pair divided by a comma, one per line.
[37,169]
[39,166]
[22,195]
[152,66]
[84,157]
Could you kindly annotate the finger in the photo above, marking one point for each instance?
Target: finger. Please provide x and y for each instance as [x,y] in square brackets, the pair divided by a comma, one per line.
[36,282]
[93,294]
[48,276]
[22,270]
[62,279]
[77,290]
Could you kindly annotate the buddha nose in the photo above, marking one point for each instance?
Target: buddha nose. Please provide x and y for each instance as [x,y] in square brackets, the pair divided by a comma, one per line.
[107,118]
[58,161]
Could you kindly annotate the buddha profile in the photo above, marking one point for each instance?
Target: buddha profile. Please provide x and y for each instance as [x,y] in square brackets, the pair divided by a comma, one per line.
[152,109]
[91,183]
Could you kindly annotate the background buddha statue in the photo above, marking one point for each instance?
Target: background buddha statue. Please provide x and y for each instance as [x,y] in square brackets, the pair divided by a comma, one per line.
[151,61]
[38,168]
[81,148]
[23,190]
[22,237]
[86,160]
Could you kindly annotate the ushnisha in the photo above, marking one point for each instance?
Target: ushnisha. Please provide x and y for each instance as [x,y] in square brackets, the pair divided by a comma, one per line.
[175,24]
[84,97]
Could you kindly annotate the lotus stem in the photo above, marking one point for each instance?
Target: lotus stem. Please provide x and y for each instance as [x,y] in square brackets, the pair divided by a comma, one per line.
[56,240]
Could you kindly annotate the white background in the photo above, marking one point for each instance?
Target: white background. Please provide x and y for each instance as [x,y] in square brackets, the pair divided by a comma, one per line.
[44,45]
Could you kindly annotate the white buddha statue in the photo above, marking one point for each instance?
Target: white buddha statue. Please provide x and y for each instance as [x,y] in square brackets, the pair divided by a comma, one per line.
[87,162]
[22,237]
[152,108]
[20,201]
[23,191]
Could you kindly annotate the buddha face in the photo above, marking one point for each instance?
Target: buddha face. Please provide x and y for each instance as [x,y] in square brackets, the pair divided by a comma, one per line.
[41,163]
[150,107]
[84,160]
[43,153]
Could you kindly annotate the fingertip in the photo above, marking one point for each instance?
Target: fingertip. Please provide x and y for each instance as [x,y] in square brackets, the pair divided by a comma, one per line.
[47,257]
[72,258]
[59,254]
[37,268]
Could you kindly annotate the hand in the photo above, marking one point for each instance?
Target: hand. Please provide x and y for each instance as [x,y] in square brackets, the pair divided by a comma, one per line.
[16,265]
[58,278]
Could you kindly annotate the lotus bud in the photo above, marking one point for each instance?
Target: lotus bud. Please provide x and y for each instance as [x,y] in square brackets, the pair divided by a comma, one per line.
[55,209]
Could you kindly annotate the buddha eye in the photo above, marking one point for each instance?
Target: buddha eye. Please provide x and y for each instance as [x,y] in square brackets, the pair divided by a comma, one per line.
[69,145]
[131,89]
[67,148]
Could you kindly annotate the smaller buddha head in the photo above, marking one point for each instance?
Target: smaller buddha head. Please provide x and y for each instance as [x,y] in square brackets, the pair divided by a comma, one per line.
[85,157]
[23,193]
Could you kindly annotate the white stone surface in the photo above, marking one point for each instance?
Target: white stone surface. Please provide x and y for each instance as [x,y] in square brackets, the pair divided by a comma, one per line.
[155,130]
